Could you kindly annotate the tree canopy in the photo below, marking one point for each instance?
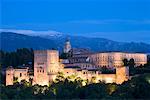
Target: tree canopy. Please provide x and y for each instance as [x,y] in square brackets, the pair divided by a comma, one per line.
[136,88]
[16,58]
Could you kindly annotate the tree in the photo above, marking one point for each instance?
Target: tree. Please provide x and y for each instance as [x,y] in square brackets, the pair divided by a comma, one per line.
[93,79]
[2,76]
[111,88]
[79,81]
[132,69]
[136,88]
[72,77]
[131,62]
[64,55]
[93,91]
[25,83]
[30,81]
[15,80]
[60,77]
[125,62]
[16,58]
[64,89]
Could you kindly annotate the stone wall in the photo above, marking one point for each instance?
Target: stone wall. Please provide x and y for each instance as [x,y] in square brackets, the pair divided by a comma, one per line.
[19,74]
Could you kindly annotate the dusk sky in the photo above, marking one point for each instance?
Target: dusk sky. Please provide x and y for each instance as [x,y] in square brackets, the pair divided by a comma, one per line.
[119,20]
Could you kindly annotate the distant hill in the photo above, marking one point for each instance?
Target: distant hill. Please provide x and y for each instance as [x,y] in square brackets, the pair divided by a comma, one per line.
[11,41]
[102,45]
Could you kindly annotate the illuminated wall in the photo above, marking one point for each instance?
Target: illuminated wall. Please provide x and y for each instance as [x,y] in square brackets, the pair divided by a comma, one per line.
[122,74]
[115,59]
[107,78]
[52,61]
[46,65]
[40,67]
[20,74]
[9,76]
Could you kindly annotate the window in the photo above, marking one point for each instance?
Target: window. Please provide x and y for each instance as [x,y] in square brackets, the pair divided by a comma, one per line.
[20,74]
[43,71]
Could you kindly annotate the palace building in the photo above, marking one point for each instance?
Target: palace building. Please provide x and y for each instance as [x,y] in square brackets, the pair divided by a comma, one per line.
[85,65]
[47,65]
[115,59]
[107,59]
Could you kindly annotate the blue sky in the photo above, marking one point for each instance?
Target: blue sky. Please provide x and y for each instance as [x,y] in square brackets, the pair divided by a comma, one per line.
[120,20]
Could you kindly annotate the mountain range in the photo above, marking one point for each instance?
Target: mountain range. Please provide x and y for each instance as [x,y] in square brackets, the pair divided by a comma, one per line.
[10,41]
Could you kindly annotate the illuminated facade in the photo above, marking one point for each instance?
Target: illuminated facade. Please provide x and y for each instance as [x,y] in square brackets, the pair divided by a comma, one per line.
[109,59]
[121,75]
[47,65]
[16,74]
[115,59]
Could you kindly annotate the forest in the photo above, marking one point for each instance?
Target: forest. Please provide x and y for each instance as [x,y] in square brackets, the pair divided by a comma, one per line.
[16,58]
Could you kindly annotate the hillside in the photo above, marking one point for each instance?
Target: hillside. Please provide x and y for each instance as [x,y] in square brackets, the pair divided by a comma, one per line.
[11,41]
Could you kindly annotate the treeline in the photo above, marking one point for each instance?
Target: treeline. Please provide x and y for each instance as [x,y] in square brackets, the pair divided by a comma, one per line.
[134,70]
[136,88]
[16,58]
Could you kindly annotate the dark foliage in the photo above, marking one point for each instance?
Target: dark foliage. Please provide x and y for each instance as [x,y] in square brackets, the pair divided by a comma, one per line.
[16,58]
[137,69]
[136,88]
[64,55]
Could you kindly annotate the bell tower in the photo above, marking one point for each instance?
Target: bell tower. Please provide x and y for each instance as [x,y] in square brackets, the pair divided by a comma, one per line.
[67,46]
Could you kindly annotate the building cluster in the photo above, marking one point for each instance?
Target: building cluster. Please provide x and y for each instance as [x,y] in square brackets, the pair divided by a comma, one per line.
[82,63]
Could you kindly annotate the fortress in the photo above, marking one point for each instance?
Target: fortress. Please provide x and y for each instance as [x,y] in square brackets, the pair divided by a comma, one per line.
[85,65]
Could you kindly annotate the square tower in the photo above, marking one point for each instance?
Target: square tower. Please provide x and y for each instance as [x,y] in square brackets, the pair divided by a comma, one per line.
[9,76]
[46,64]
[122,74]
